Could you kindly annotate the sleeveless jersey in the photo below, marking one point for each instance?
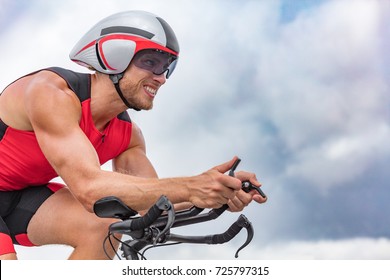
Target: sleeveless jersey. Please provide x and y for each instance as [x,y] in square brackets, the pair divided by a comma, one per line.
[22,162]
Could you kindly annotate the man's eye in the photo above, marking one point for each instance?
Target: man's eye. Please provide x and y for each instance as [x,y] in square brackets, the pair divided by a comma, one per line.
[149,62]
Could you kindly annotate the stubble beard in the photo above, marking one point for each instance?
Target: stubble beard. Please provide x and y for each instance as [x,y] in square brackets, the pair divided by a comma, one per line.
[136,97]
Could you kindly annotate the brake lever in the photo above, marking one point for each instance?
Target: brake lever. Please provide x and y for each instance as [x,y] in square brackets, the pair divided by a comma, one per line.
[234,166]
[166,205]
[246,185]
[243,221]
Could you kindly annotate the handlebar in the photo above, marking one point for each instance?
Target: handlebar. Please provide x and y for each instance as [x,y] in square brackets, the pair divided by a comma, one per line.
[229,234]
[126,226]
[154,227]
[131,226]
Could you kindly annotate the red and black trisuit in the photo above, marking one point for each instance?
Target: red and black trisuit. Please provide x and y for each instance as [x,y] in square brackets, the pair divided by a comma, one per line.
[25,173]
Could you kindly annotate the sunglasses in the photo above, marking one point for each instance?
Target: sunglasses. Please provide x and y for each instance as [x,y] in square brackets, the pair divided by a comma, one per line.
[155,61]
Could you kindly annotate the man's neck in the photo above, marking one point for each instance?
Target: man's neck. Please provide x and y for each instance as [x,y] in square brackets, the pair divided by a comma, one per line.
[105,103]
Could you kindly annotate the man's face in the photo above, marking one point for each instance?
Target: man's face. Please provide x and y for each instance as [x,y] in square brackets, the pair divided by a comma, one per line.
[140,86]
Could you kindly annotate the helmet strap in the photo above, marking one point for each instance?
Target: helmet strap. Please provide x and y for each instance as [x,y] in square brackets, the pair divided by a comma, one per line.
[115,79]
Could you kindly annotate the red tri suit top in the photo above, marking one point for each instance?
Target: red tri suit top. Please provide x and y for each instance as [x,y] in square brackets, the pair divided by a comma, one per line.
[22,162]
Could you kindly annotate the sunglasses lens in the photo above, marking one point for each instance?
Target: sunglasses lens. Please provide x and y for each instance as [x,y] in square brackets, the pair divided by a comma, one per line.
[171,68]
[155,61]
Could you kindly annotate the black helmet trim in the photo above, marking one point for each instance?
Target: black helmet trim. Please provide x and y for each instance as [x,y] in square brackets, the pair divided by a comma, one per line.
[172,42]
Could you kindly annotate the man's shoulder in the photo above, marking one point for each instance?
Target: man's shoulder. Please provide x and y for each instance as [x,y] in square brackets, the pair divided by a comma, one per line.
[79,83]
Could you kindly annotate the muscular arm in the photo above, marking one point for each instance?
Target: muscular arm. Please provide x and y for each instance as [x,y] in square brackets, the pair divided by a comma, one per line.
[134,160]
[54,113]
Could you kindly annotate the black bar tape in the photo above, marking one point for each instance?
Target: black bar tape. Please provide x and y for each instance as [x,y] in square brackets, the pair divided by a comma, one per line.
[147,219]
[228,235]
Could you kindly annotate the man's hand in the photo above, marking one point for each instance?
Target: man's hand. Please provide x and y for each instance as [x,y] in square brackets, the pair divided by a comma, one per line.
[242,199]
[214,188]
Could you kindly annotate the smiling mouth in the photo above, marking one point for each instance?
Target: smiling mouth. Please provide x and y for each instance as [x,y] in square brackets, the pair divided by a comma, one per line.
[150,91]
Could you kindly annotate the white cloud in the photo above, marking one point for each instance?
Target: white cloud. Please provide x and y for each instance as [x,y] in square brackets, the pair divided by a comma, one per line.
[347,249]
[307,99]
[343,158]
[326,93]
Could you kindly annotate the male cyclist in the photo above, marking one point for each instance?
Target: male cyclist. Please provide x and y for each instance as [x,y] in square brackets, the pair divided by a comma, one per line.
[56,122]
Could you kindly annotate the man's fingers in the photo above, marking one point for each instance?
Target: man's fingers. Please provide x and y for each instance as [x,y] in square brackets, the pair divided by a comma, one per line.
[248,176]
[224,167]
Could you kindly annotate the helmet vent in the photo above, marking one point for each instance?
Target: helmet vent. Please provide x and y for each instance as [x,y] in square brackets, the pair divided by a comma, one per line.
[128,30]
[99,58]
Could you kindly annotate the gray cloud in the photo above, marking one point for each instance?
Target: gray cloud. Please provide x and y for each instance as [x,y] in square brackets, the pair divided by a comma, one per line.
[302,98]
[305,103]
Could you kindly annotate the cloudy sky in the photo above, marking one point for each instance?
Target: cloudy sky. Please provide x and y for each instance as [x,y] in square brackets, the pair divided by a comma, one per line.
[298,89]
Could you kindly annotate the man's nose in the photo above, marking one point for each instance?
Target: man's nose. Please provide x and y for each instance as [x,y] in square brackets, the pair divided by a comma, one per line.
[160,78]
